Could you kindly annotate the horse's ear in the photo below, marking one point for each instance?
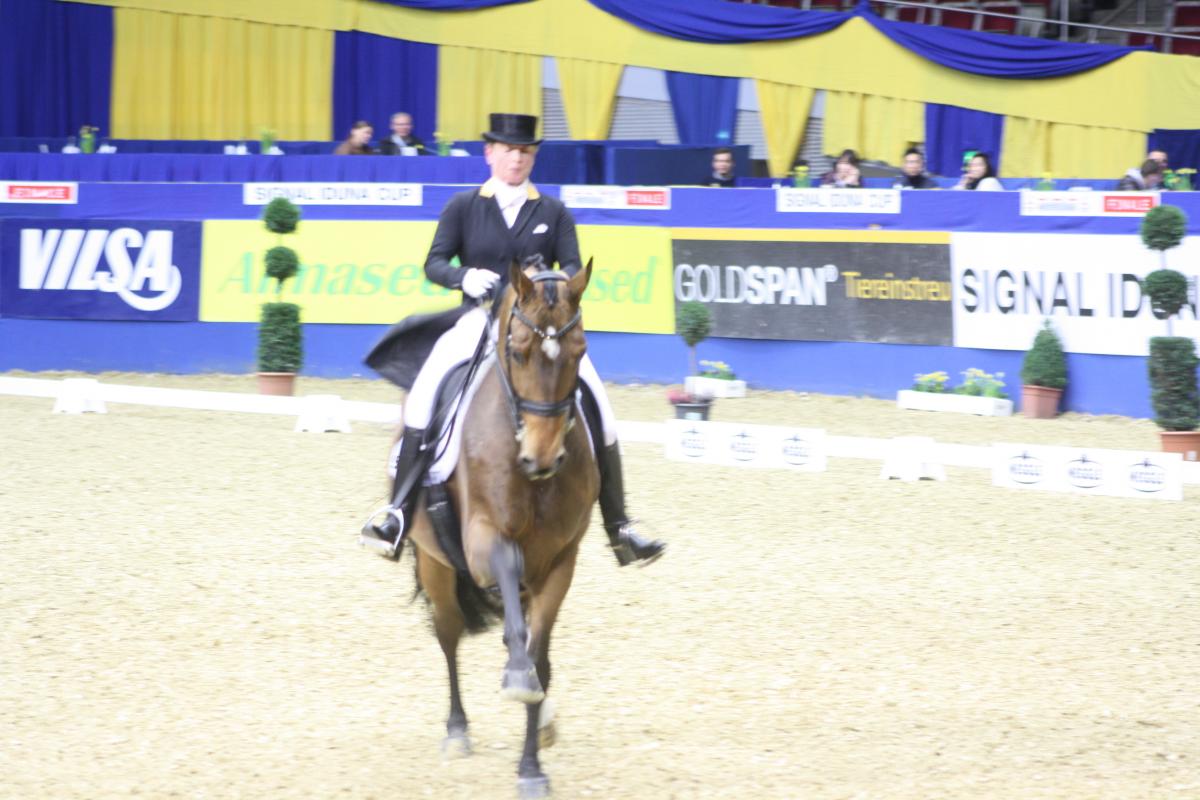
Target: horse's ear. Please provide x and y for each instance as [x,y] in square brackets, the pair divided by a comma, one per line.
[519,280]
[579,281]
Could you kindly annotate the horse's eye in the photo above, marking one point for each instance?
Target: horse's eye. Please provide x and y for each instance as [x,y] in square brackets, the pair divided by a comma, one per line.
[519,357]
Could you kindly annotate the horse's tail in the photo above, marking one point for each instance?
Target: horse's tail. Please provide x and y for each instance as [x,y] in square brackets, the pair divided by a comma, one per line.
[479,607]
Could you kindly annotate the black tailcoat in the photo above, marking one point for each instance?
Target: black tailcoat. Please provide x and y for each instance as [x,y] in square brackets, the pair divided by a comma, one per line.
[472,228]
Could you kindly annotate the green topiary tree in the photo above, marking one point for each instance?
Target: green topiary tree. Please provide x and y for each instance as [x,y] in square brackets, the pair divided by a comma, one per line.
[1168,292]
[1175,396]
[693,323]
[281,215]
[1045,363]
[280,344]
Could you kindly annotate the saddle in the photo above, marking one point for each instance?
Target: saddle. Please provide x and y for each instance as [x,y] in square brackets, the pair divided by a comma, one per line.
[438,502]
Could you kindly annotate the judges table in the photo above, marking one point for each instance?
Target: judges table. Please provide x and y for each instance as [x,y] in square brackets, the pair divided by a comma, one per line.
[200,168]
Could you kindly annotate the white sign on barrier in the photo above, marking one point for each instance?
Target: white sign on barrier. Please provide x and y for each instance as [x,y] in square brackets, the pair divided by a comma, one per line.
[737,445]
[1087,204]
[639,198]
[1118,473]
[839,201]
[334,194]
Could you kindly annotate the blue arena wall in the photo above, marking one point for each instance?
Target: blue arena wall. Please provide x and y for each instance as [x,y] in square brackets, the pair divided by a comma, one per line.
[1098,384]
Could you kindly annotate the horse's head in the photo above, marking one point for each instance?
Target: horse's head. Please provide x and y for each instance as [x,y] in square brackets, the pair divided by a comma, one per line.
[540,345]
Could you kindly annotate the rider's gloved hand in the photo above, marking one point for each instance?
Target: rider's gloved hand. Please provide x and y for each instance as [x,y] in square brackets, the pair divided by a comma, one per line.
[478,282]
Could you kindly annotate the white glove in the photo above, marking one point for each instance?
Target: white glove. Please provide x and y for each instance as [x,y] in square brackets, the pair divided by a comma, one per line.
[477,282]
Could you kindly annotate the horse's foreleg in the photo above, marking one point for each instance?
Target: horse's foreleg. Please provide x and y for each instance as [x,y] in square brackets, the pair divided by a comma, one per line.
[544,603]
[439,583]
[520,680]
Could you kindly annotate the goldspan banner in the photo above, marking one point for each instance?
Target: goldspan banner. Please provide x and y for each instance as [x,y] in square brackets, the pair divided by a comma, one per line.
[850,286]
[372,272]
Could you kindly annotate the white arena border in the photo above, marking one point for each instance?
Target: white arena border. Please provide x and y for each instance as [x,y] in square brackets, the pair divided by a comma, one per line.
[955,455]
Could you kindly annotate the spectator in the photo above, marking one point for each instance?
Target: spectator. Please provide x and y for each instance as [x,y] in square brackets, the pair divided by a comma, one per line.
[358,143]
[402,136]
[914,176]
[722,168]
[845,173]
[980,175]
[1161,157]
[1147,179]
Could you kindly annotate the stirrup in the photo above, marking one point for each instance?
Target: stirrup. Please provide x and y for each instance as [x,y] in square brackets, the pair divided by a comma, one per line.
[629,548]
[369,537]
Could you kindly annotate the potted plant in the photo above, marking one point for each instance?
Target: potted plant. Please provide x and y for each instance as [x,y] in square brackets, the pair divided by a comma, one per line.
[1043,375]
[693,323]
[716,379]
[980,393]
[280,345]
[1172,364]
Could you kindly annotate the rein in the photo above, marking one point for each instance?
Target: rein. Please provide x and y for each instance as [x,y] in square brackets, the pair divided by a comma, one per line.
[516,403]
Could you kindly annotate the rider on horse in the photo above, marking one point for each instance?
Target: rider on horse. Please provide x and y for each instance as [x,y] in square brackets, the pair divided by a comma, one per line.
[503,221]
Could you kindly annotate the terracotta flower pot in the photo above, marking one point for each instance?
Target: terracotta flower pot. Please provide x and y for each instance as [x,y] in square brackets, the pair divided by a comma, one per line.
[277,383]
[1185,442]
[1040,402]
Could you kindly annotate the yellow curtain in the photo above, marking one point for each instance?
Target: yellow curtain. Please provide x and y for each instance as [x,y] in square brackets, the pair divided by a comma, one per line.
[784,112]
[875,127]
[323,14]
[1035,147]
[184,77]
[589,94]
[473,83]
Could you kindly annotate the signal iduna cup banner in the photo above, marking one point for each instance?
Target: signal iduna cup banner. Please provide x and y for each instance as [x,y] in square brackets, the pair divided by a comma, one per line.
[372,272]
[1088,285]
[99,269]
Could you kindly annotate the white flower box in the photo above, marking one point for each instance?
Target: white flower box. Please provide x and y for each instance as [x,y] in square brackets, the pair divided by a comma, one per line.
[713,387]
[962,403]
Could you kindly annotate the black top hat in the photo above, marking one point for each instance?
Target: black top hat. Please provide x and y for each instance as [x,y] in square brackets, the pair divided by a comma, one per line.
[519,129]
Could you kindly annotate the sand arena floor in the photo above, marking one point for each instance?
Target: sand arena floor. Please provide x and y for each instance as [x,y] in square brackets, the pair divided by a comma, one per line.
[185,614]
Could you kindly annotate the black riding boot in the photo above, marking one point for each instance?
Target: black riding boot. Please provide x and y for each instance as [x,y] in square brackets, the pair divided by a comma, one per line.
[626,544]
[385,535]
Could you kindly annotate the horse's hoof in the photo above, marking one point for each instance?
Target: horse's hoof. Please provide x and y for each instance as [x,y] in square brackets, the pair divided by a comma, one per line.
[547,732]
[533,788]
[547,736]
[456,745]
[522,686]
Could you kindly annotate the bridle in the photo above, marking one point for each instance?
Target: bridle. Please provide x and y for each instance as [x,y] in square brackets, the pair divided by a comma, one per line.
[517,404]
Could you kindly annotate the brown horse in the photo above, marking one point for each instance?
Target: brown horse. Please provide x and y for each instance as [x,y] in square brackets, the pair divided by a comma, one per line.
[523,488]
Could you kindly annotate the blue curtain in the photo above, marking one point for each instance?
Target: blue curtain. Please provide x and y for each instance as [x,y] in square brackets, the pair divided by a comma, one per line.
[719,21]
[722,22]
[705,107]
[1182,148]
[374,77]
[451,5]
[55,67]
[949,130]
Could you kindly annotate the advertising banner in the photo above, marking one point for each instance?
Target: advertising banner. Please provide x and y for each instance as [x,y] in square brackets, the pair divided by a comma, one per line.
[42,192]
[839,201]
[1088,285]
[372,272]
[1119,473]
[99,269]
[646,198]
[1087,204]
[852,286]
[734,445]
[334,194]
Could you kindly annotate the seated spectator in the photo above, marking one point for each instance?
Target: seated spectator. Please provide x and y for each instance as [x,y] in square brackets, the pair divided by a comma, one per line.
[845,173]
[915,176]
[1147,179]
[722,169]
[402,136]
[358,143]
[980,175]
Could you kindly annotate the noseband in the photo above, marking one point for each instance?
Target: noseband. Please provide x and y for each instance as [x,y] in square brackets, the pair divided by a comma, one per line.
[517,404]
